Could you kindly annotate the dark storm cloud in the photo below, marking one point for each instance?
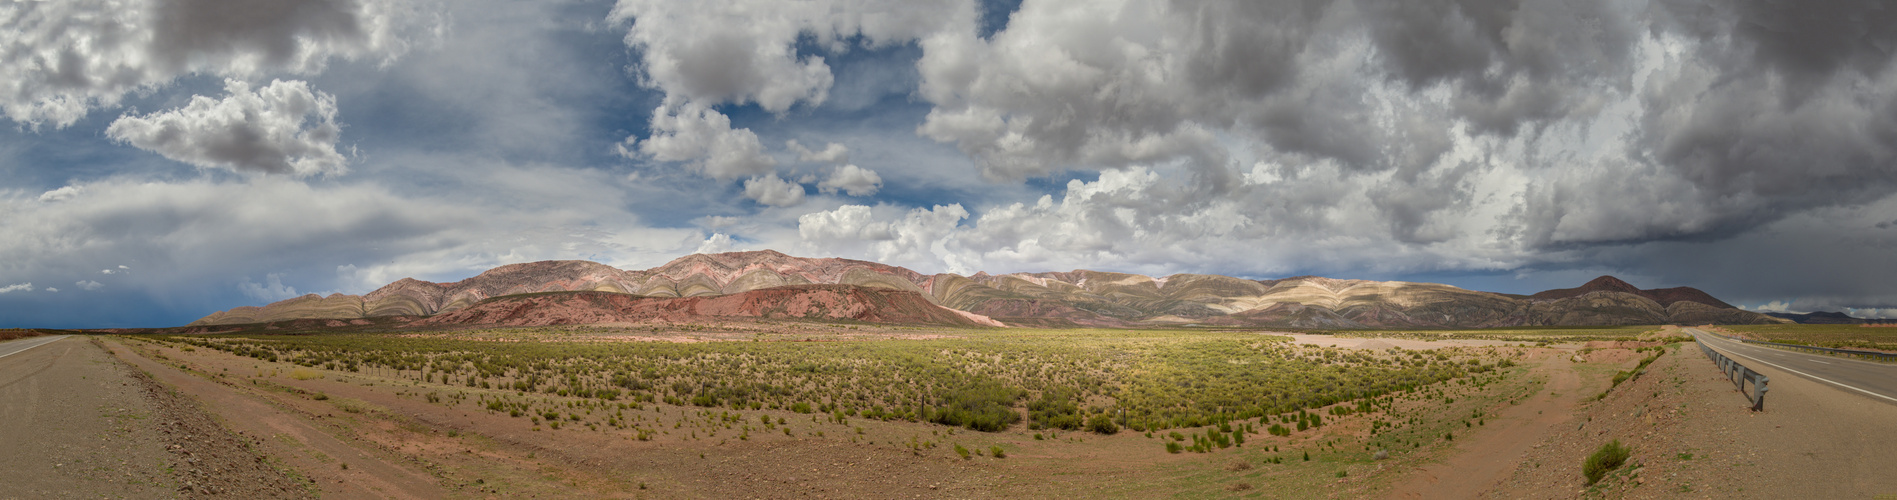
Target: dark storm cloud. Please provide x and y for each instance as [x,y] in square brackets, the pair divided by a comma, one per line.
[60,60]
[273,31]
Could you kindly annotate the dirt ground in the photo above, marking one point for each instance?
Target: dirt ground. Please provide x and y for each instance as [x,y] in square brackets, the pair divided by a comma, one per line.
[1482,459]
[81,424]
[339,434]
[1693,436]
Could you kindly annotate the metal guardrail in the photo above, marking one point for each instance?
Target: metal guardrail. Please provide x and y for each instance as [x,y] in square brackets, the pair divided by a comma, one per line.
[1739,374]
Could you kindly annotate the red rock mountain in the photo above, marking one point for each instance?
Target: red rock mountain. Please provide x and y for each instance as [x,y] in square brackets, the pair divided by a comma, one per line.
[774,285]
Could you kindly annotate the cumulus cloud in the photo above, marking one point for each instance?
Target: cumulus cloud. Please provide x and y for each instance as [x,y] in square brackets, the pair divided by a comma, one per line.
[703,137]
[716,243]
[857,181]
[745,51]
[17,287]
[832,153]
[88,285]
[271,290]
[1457,134]
[59,60]
[774,191]
[924,238]
[282,128]
[704,54]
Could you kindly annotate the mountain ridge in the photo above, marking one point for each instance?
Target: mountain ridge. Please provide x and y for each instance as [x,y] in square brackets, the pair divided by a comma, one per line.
[1077,298]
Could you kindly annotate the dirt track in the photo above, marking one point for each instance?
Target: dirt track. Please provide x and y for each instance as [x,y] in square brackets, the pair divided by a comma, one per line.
[1483,459]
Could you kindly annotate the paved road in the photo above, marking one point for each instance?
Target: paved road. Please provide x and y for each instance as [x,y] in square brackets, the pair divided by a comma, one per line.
[1873,380]
[11,347]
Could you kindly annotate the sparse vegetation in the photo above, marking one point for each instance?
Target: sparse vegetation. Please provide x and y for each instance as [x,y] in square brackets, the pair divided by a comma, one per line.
[1099,380]
[1609,457]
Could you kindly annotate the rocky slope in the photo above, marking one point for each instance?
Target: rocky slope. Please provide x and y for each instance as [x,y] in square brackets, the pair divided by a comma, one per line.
[1059,299]
[808,302]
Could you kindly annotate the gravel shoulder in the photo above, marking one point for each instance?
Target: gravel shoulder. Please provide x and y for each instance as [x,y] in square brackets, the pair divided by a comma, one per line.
[323,456]
[81,424]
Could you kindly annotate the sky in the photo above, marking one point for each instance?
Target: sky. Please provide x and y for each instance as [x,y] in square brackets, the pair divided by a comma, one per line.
[164,159]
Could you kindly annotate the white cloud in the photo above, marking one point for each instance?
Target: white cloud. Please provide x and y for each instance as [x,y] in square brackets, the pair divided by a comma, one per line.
[716,243]
[1777,306]
[926,239]
[59,60]
[856,181]
[282,128]
[704,54]
[832,153]
[88,285]
[51,289]
[18,287]
[704,137]
[59,195]
[187,233]
[271,290]
[774,191]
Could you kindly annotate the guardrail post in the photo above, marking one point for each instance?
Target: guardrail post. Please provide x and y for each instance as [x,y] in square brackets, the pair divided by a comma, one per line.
[1758,392]
[1738,374]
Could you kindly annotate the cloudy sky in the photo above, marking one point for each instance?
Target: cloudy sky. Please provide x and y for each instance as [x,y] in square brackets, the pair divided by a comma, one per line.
[162,159]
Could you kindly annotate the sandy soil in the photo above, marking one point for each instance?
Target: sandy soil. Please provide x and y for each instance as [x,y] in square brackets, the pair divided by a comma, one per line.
[80,424]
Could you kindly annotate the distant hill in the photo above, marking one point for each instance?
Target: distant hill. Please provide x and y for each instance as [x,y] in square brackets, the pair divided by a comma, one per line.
[1079,298]
[1820,318]
[1662,296]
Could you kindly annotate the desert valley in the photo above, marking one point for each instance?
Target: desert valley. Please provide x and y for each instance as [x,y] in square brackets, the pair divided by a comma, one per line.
[948,249]
[758,374]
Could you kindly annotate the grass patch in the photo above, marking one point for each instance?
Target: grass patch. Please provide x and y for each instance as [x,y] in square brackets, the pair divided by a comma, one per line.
[1610,456]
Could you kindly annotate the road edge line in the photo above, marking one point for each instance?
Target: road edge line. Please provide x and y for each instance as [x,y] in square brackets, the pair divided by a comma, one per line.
[1814,377]
[35,346]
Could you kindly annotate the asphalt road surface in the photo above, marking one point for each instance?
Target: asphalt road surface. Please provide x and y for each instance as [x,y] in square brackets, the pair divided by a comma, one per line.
[1877,381]
[11,347]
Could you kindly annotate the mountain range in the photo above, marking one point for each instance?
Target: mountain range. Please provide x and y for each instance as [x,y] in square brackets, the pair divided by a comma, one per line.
[769,284]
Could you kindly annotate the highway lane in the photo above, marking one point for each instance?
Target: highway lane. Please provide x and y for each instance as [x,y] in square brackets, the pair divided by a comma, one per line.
[12,347]
[1877,381]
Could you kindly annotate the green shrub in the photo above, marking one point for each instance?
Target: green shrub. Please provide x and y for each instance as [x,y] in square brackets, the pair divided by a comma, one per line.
[997,451]
[1056,409]
[959,450]
[1607,458]
[986,407]
[1103,423]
